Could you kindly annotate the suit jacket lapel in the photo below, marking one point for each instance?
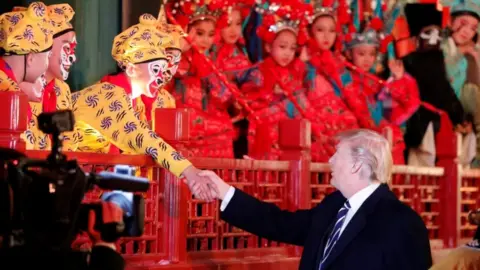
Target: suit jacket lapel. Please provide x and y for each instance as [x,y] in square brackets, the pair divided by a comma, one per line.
[357,223]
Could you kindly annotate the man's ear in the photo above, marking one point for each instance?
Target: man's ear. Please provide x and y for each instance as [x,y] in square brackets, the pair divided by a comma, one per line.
[130,70]
[30,59]
[356,167]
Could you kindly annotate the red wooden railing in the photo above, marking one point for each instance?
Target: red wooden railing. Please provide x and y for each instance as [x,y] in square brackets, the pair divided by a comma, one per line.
[182,233]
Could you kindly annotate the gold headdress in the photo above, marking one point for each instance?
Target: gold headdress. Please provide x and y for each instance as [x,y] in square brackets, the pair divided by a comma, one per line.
[28,31]
[60,14]
[140,43]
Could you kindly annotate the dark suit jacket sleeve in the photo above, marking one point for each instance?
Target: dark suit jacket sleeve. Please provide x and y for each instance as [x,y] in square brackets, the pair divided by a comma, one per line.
[267,220]
[408,246]
[105,258]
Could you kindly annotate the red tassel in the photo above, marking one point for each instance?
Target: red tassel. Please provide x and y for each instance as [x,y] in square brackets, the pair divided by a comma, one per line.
[384,43]
[445,17]
[349,37]
[342,14]
[187,8]
[352,29]
[327,3]
[376,24]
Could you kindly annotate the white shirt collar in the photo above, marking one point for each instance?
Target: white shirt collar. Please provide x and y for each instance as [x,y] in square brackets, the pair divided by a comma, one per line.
[358,198]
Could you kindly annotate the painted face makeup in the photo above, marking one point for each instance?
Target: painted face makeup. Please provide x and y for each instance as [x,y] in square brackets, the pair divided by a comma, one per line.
[156,70]
[174,57]
[67,57]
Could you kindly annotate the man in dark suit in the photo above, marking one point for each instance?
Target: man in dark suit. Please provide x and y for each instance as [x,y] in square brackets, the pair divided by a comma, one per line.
[360,226]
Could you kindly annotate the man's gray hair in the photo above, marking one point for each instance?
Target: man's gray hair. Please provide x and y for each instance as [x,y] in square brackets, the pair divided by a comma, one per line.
[372,150]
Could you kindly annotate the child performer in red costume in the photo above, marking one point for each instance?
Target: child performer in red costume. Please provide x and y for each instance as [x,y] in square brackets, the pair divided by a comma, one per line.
[379,105]
[324,69]
[228,52]
[211,125]
[277,82]
[230,57]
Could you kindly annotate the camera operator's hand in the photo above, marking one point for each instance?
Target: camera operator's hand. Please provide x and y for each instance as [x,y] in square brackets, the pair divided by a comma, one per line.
[112,217]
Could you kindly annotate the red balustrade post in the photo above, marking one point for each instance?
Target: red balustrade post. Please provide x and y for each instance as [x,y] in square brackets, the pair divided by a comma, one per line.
[295,143]
[173,125]
[13,119]
[446,148]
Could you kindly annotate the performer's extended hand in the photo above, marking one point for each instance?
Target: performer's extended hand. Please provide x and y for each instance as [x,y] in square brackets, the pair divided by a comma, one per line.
[220,185]
[397,68]
[201,186]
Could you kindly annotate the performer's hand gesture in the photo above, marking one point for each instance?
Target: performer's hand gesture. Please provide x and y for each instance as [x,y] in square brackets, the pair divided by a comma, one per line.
[220,186]
[397,68]
[201,186]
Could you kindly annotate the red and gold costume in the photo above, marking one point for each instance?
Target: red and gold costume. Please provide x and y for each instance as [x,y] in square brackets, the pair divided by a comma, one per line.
[231,59]
[195,87]
[376,105]
[271,105]
[273,91]
[105,113]
[324,80]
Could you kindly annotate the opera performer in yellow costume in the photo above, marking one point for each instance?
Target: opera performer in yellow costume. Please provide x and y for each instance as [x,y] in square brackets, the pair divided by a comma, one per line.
[146,103]
[56,92]
[26,40]
[107,113]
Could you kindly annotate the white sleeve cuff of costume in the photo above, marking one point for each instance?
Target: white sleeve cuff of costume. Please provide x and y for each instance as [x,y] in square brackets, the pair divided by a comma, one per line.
[227,198]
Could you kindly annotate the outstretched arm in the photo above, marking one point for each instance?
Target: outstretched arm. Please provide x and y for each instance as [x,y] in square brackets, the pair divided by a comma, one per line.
[107,109]
[260,218]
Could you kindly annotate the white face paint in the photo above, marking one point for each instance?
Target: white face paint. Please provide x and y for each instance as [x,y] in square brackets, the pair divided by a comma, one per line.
[156,70]
[67,57]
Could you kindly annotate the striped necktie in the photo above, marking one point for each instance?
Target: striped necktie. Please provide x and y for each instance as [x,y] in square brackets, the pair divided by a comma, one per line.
[335,234]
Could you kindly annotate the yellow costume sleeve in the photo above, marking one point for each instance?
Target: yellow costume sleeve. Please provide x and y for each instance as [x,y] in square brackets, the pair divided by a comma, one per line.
[164,100]
[64,102]
[7,84]
[34,137]
[107,109]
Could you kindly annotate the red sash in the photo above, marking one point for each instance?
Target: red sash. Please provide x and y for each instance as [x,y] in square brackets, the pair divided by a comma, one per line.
[49,99]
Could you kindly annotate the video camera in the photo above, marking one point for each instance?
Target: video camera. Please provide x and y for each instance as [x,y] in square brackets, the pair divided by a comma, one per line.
[41,200]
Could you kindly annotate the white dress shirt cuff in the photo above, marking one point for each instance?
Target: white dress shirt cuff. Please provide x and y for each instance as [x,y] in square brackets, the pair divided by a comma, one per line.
[227,198]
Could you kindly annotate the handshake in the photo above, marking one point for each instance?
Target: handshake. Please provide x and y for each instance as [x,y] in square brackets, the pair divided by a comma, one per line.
[205,185]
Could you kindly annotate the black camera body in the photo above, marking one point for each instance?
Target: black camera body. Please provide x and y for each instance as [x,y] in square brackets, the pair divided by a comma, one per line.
[41,200]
